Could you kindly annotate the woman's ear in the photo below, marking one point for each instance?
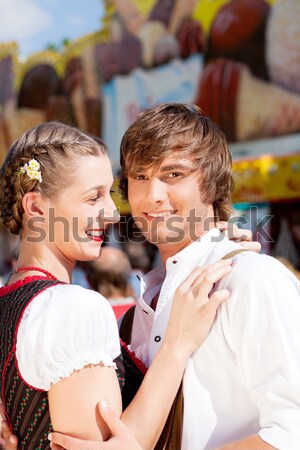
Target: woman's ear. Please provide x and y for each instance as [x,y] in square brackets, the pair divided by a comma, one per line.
[33,204]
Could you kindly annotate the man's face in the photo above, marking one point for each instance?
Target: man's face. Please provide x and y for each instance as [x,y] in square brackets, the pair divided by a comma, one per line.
[166,203]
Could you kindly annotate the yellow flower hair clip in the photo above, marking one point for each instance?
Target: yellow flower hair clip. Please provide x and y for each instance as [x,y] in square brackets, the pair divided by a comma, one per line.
[32,169]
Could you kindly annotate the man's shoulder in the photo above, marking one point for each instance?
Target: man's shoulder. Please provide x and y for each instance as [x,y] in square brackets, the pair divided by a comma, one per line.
[253,272]
[257,264]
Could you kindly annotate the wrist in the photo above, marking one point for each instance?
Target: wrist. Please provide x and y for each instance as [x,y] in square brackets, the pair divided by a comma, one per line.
[178,353]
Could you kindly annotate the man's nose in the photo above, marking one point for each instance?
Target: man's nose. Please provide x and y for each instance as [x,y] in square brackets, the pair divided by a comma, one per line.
[157,191]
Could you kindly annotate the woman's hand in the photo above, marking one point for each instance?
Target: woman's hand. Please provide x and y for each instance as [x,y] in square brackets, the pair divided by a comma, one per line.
[194,307]
[121,437]
[240,235]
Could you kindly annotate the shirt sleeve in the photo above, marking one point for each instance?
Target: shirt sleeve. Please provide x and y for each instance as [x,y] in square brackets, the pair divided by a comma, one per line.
[65,328]
[264,318]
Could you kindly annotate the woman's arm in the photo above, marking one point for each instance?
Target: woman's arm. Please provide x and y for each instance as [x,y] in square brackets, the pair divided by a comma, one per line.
[240,235]
[250,443]
[73,402]
[192,315]
[121,436]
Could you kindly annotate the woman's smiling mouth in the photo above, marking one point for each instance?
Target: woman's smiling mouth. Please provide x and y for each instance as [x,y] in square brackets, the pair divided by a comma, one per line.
[95,235]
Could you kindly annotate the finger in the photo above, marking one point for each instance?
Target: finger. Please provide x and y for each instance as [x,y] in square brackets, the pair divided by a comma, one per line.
[207,270]
[205,284]
[253,246]
[239,234]
[221,225]
[233,232]
[56,447]
[218,297]
[71,443]
[242,234]
[187,283]
[6,433]
[111,418]
[12,443]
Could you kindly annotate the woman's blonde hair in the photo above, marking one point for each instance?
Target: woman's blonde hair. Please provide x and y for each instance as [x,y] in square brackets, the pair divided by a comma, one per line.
[53,145]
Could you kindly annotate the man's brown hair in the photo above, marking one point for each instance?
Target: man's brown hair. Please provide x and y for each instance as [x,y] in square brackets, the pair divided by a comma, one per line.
[175,129]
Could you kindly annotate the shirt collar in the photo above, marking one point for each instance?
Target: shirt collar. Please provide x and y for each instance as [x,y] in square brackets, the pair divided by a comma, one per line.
[196,252]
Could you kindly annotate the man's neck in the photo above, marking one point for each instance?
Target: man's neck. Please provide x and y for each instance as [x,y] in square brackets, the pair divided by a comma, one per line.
[168,250]
[154,302]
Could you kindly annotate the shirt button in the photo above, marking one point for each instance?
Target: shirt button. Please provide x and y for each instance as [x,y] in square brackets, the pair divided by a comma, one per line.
[157,338]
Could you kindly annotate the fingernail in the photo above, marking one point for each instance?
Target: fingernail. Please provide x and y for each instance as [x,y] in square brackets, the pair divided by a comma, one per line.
[50,437]
[103,404]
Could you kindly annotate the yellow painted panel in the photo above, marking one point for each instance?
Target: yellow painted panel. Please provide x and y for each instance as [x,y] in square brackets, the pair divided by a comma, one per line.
[267,178]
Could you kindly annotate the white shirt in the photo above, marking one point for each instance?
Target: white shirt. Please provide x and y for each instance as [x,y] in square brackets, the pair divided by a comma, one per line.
[245,378]
[63,329]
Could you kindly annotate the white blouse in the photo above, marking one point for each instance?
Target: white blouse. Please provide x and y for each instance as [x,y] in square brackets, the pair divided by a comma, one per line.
[63,329]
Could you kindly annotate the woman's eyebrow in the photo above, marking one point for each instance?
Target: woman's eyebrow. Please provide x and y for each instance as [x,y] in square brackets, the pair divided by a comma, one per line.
[95,188]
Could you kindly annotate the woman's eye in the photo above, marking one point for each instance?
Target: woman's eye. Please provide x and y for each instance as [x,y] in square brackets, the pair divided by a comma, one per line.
[94,199]
[140,177]
[174,175]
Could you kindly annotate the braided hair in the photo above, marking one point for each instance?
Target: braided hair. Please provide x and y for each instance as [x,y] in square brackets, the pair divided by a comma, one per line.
[53,145]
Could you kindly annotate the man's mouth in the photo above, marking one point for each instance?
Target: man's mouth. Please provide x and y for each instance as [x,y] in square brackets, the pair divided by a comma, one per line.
[95,235]
[159,214]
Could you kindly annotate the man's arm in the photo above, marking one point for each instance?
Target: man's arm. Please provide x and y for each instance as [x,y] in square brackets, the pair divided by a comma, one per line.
[249,443]
[7,440]
[120,435]
[264,329]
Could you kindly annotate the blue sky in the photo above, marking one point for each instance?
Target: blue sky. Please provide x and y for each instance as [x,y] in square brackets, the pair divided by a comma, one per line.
[36,23]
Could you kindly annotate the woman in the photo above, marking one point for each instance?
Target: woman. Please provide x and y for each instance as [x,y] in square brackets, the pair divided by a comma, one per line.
[59,341]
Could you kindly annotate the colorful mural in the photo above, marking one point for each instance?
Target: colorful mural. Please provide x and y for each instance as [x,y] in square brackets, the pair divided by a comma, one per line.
[239,58]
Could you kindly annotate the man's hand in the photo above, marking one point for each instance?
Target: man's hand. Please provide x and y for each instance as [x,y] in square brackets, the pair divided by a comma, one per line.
[240,235]
[7,440]
[121,437]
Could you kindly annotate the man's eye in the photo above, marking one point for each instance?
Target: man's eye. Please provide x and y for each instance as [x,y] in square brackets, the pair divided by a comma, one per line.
[174,175]
[140,177]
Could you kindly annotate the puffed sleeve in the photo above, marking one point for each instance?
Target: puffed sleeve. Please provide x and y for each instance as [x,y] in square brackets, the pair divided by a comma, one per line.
[264,317]
[63,329]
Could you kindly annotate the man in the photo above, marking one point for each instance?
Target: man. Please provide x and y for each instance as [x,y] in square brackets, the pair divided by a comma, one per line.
[243,384]
[241,388]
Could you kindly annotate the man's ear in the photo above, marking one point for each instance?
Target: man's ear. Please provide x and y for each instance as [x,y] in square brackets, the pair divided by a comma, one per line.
[33,204]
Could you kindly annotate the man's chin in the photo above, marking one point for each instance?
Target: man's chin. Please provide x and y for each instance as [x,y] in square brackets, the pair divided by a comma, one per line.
[164,239]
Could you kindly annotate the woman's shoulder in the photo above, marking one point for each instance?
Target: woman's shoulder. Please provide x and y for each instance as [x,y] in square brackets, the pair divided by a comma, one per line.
[63,294]
[56,303]
[65,328]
